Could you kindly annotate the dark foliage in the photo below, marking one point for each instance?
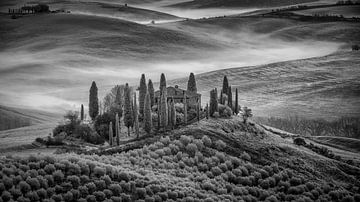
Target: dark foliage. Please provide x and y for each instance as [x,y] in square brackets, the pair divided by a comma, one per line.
[93,101]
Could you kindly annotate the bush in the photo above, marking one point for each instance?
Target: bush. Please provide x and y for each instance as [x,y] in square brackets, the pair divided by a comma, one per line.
[58,176]
[6,196]
[191,149]
[206,141]
[86,133]
[225,111]
[24,187]
[98,171]
[245,156]
[220,145]
[299,141]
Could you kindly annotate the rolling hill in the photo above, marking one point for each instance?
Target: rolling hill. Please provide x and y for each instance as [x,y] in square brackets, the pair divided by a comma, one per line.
[214,160]
[238,3]
[15,117]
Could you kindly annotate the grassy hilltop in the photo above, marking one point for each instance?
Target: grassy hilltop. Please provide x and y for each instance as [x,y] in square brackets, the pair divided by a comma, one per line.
[214,160]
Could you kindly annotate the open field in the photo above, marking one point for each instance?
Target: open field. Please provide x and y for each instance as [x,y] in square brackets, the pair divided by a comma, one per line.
[343,143]
[346,11]
[325,87]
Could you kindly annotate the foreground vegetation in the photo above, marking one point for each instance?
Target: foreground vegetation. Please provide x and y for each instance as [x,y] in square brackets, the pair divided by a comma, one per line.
[181,168]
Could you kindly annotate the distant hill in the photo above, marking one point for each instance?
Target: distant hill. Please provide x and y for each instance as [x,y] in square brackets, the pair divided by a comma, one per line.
[345,143]
[238,3]
[11,118]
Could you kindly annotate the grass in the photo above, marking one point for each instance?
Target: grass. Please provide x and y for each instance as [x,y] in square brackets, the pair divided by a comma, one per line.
[346,11]
[237,3]
[344,143]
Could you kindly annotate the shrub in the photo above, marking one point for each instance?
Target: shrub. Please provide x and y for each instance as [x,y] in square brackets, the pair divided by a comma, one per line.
[191,149]
[68,196]
[58,176]
[225,111]
[90,198]
[185,140]
[24,187]
[99,195]
[98,171]
[74,180]
[245,156]
[216,171]
[220,145]
[6,196]
[299,141]
[206,141]
[50,168]
[124,176]
[295,181]
[7,182]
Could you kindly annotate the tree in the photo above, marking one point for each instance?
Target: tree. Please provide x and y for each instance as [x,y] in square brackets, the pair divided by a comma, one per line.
[116,106]
[207,111]
[225,86]
[111,134]
[93,101]
[136,116]
[163,84]
[173,114]
[147,114]
[151,92]
[247,113]
[117,129]
[142,94]
[198,105]
[229,97]
[163,110]
[128,113]
[221,98]
[213,102]
[185,108]
[236,102]
[192,83]
[82,112]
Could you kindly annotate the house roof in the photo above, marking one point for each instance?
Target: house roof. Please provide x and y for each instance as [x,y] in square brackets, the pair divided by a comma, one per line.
[177,92]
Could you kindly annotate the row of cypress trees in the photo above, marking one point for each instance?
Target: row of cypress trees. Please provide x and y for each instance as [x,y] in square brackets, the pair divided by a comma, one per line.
[133,114]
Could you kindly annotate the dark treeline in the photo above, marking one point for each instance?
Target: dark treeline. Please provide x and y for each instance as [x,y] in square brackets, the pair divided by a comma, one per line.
[345,126]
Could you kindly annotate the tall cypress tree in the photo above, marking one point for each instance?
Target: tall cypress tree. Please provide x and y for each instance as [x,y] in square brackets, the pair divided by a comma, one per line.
[221,98]
[213,102]
[82,112]
[117,129]
[128,113]
[225,85]
[147,114]
[163,110]
[93,101]
[163,84]
[191,87]
[185,108]
[110,134]
[173,114]
[142,94]
[151,92]
[236,102]
[117,105]
[136,117]
[230,98]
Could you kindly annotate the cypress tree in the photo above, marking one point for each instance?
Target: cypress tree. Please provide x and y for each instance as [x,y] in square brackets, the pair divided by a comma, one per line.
[221,98]
[151,92]
[147,114]
[185,108]
[192,83]
[142,94]
[136,117]
[93,101]
[169,112]
[198,110]
[213,102]
[117,129]
[163,111]
[163,84]
[128,113]
[117,106]
[110,134]
[173,114]
[207,111]
[236,102]
[82,112]
[230,98]
[225,85]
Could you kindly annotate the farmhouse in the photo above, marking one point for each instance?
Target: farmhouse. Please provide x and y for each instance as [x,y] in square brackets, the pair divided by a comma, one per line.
[177,94]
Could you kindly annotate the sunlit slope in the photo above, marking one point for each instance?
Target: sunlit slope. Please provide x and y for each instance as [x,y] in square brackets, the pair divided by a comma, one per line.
[98,8]
[15,117]
[274,28]
[325,87]
[238,3]
[345,143]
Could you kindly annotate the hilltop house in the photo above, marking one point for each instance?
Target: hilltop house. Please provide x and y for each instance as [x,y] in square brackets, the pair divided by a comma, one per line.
[177,94]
